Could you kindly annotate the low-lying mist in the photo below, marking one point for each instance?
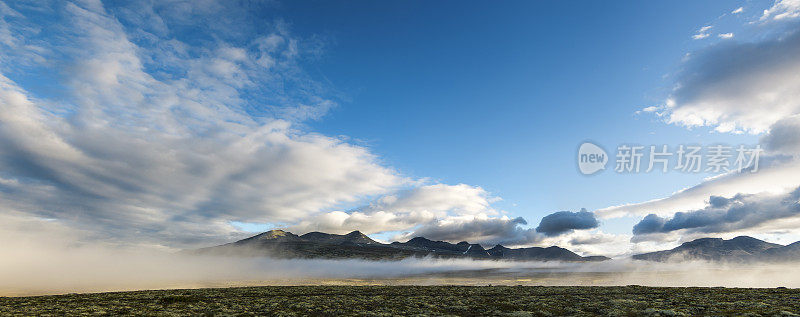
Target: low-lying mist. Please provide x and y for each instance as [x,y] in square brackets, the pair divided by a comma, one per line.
[55,270]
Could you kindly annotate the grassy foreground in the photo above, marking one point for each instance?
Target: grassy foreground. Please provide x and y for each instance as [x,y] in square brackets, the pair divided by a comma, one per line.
[417,300]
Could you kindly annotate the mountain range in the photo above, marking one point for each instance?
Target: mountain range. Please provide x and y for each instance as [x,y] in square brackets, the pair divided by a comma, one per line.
[356,245]
[739,249]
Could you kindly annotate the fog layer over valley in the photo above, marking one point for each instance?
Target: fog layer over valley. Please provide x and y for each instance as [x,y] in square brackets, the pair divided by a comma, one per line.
[59,268]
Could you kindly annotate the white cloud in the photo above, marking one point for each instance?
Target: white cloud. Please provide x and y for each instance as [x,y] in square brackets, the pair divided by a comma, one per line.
[6,36]
[738,10]
[782,10]
[702,32]
[775,177]
[146,180]
[405,210]
[725,35]
[738,87]
[172,158]
[656,110]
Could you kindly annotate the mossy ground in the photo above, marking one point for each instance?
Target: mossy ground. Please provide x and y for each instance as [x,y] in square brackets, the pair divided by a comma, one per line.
[417,300]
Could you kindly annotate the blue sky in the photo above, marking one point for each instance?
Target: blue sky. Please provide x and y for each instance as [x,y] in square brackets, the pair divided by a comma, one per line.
[501,95]
[180,123]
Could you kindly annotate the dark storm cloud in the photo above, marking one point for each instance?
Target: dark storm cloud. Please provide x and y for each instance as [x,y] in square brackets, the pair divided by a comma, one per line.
[564,221]
[650,224]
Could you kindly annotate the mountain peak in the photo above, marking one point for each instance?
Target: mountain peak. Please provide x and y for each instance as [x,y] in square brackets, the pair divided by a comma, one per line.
[741,248]
[746,239]
[359,237]
[353,237]
[418,240]
[273,234]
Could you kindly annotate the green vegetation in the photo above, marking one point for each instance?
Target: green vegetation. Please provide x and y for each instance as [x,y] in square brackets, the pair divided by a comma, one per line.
[418,300]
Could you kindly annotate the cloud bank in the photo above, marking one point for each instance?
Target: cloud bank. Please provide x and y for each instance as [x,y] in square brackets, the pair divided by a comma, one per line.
[722,214]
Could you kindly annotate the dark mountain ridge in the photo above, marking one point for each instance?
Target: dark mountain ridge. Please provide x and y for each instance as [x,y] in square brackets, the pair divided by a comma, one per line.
[739,249]
[356,245]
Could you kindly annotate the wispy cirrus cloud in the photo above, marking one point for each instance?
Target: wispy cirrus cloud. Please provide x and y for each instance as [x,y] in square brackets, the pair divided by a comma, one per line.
[702,33]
